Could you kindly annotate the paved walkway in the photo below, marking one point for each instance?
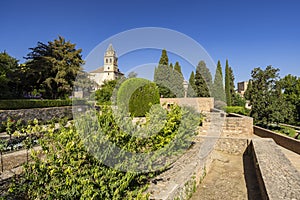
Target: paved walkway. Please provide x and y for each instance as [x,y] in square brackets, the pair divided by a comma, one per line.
[293,157]
[230,177]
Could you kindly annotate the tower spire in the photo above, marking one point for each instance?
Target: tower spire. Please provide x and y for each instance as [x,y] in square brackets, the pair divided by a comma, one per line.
[110,47]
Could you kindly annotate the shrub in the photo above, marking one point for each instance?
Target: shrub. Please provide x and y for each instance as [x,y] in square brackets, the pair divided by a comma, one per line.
[236,109]
[34,103]
[137,95]
[288,131]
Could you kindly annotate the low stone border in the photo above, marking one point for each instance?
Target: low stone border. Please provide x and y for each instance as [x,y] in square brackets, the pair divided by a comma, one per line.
[282,140]
[277,177]
[183,177]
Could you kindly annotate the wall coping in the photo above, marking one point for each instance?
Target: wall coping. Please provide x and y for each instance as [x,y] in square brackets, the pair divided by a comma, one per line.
[282,140]
[278,178]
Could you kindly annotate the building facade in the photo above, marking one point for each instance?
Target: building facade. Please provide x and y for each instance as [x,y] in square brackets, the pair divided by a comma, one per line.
[109,71]
[242,87]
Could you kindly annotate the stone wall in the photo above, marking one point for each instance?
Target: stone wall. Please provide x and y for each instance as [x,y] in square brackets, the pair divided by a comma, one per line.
[277,177]
[42,114]
[182,178]
[237,126]
[282,140]
[200,104]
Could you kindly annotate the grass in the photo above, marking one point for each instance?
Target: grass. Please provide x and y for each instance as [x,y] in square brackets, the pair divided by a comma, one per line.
[288,131]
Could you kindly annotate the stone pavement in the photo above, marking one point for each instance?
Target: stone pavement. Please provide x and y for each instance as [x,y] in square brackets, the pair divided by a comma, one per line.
[292,156]
[226,179]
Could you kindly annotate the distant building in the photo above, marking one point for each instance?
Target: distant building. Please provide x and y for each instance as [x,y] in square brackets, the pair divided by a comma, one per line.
[109,71]
[242,87]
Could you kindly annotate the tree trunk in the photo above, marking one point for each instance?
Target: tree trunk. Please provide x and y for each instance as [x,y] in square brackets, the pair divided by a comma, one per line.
[1,161]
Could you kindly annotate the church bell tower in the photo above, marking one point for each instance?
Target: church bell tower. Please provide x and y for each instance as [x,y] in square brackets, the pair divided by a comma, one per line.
[110,60]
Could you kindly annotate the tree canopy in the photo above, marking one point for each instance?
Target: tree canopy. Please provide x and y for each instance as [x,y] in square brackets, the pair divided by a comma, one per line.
[104,94]
[8,76]
[266,97]
[52,68]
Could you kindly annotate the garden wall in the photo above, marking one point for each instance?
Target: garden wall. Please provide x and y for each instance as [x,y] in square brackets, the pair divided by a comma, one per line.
[282,140]
[200,104]
[277,177]
[42,114]
[237,126]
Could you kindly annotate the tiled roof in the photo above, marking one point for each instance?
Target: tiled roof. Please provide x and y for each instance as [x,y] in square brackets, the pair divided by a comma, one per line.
[99,70]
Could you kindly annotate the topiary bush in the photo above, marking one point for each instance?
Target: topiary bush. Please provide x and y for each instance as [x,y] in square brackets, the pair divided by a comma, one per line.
[236,109]
[137,95]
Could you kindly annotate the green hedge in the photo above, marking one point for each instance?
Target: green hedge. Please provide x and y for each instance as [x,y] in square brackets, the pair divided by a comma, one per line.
[236,109]
[34,103]
[137,95]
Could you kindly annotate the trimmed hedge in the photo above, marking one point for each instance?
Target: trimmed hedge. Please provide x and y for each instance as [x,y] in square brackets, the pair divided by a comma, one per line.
[137,95]
[236,109]
[34,103]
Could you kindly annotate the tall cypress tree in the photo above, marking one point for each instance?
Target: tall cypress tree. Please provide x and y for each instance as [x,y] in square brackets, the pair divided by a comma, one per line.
[177,67]
[164,60]
[235,99]
[218,88]
[205,74]
[201,88]
[192,88]
[227,85]
[192,80]
[169,81]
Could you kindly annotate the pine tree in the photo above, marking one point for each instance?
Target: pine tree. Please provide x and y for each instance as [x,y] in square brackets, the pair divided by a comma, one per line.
[53,67]
[201,88]
[164,60]
[218,88]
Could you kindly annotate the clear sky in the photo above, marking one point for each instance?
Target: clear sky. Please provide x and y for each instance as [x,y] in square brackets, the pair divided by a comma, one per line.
[249,33]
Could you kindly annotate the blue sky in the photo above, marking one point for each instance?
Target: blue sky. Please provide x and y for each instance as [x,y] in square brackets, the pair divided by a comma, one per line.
[249,34]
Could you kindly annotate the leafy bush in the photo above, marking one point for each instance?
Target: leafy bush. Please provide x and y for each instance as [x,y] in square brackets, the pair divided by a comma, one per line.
[236,109]
[103,95]
[68,171]
[138,95]
[34,103]
[288,131]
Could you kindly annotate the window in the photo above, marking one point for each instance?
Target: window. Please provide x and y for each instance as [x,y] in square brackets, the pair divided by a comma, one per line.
[108,68]
[106,60]
[108,73]
[110,60]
